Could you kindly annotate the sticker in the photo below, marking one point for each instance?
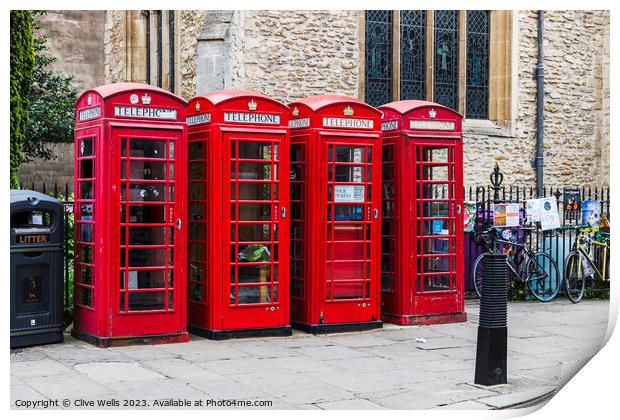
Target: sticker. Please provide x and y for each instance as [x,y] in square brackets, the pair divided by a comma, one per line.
[349,193]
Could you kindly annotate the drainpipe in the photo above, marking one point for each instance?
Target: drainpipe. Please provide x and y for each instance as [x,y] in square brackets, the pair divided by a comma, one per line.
[540,105]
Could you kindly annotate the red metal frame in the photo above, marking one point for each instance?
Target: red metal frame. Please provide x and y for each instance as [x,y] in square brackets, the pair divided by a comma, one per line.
[335,214]
[239,226]
[129,188]
[422,243]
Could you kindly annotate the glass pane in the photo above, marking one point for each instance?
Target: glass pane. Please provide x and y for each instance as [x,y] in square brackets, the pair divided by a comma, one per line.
[147,257]
[350,174]
[139,169]
[346,270]
[378,60]
[144,213]
[197,231]
[86,190]
[434,209]
[435,227]
[254,150]
[254,253]
[477,97]
[255,170]
[254,294]
[86,147]
[196,292]
[86,254]
[346,251]
[142,235]
[146,301]
[196,211]
[441,191]
[196,190]
[251,233]
[197,272]
[252,212]
[412,54]
[297,152]
[446,57]
[87,168]
[86,232]
[346,212]
[252,191]
[86,296]
[350,154]
[146,279]
[433,154]
[197,251]
[348,290]
[86,274]
[436,246]
[196,170]
[254,273]
[146,148]
[347,232]
[195,150]
[437,282]
[144,192]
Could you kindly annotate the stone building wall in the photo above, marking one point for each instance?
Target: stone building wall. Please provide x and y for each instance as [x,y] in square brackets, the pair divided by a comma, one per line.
[292,54]
[75,38]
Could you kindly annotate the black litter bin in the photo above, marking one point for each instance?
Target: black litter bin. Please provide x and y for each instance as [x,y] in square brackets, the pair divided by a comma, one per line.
[36,269]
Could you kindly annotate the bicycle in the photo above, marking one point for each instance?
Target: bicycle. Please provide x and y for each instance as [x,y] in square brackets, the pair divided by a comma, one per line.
[581,262]
[536,269]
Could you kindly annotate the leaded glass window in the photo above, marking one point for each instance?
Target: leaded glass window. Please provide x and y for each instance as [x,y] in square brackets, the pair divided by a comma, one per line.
[378,57]
[446,47]
[412,54]
[477,96]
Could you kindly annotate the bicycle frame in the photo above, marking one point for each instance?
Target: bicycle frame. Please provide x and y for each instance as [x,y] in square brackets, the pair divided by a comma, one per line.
[580,249]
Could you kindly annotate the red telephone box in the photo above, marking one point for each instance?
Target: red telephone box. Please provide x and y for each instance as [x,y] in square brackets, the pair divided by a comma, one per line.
[238,222]
[335,221]
[130,155]
[422,227]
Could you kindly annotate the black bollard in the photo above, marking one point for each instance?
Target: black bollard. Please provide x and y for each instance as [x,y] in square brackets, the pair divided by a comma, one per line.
[492,328]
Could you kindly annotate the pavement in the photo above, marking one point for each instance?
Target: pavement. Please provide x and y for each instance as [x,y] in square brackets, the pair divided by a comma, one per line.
[414,367]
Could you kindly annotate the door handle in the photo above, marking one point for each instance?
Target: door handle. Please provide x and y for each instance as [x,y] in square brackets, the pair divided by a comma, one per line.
[283,212]
[458,209]
[179,223]
[376,213]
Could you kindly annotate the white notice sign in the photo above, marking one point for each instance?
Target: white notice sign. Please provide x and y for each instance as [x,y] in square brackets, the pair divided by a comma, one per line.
[251,117]
[431,125]
[90,113]
[349,193]
[143,112]
[347,122]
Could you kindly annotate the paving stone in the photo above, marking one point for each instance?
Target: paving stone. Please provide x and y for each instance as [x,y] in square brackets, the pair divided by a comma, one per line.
[464,405]
[507,400]
[155,389]
[410,400]
[401,350]
[229,389]
[113,372]
[315,393]
[28,354]
[206,350]
[360,339]
[181,369]
[357,382]
[24,393]
[275,383]
[354,404]
[46,367]
[139,353]
[333,352]
[408,333]
[61,386]
[364,364]
[434,343]
[73,355]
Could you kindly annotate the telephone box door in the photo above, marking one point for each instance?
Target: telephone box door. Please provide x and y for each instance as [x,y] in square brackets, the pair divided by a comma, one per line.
[350,288]
[256,245]
[146,185]
[437,195]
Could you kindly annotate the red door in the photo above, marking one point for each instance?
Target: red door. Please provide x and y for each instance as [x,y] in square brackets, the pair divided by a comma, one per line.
[255,235]
[146,185]
[437,195]
[350,283]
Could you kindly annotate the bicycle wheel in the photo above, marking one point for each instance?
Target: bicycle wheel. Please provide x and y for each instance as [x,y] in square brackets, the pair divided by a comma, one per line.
[574,277]
[543,277]
[477,274]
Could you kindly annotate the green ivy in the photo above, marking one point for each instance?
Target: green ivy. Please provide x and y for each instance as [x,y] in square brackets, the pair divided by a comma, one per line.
[22,66]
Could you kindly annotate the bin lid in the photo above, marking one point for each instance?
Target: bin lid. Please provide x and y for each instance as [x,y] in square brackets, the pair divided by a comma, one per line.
[21,199]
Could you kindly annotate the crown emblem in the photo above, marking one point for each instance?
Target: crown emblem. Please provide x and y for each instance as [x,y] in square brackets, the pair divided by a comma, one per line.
[252,105]
[432,113]
[89,100]
[295,112]
[197,106]
[146,99]
[348,111]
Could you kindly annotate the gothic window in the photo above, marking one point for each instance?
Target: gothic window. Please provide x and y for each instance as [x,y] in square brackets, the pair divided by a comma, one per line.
[413,54]
[378,36]
[446,49]
[442,56]
[477,100]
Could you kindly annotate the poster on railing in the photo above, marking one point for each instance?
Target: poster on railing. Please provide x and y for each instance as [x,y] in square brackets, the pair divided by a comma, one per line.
[506,214]
[591,213]
[469,215]
[531,211]
[547,210]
